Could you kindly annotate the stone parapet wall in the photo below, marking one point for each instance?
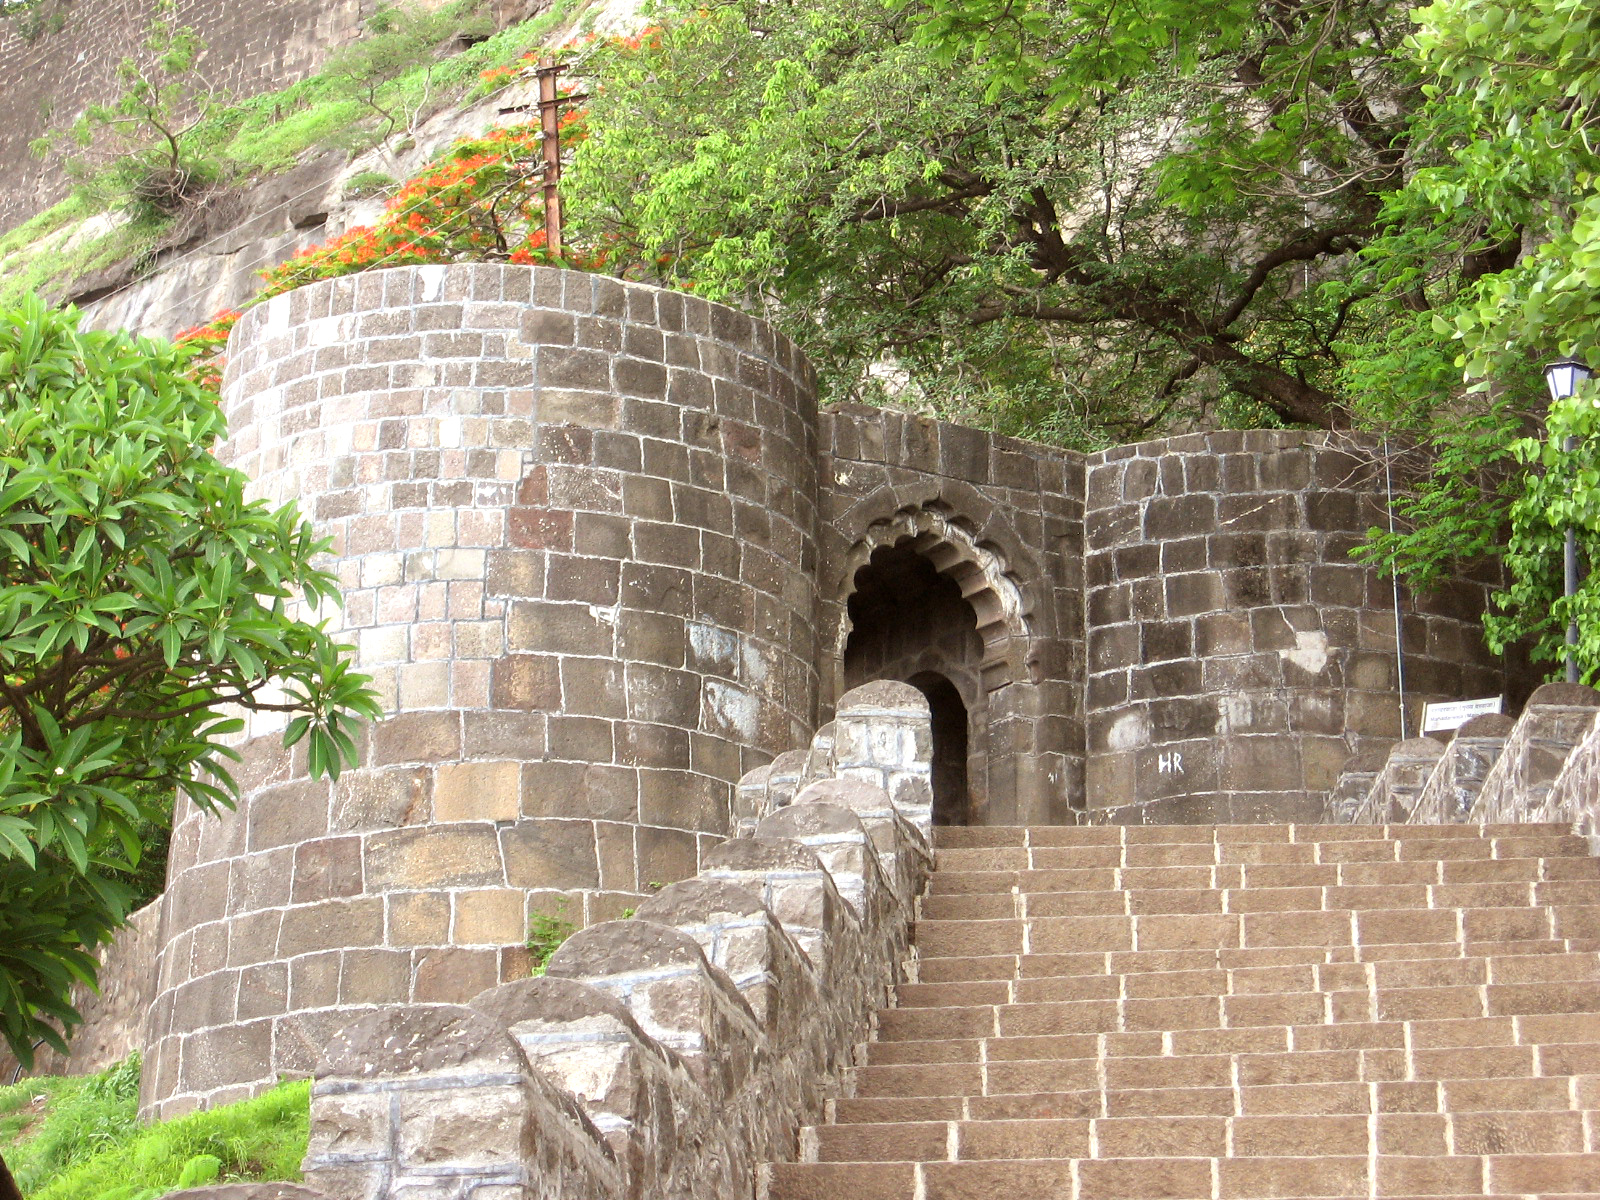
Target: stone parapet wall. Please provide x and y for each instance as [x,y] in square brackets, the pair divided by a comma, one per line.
[1542,768]
[668,1054]
[1237,655]
[1452,788]
[1397,790]
[1575,795]
[1559,716]
[573,522]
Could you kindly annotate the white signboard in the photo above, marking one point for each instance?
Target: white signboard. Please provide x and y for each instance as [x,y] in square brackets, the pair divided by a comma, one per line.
[1453,714]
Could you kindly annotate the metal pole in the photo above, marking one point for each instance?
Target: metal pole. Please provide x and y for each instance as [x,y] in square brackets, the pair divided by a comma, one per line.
[550,127]
[1571,587]
[1394,584]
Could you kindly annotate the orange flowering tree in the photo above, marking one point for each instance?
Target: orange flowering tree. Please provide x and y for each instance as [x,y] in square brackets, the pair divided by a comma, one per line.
[481,201]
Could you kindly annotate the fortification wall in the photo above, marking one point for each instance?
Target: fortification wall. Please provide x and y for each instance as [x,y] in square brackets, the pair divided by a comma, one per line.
[52,77]
[573,521]
[1237,654]
[1002,521]
[603,559]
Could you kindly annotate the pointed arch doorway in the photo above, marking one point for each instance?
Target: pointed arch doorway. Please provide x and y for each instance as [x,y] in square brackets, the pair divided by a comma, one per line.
[924,601]
[910,622]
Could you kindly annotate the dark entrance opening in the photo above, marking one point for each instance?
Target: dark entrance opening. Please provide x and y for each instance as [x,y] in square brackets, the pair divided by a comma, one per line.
[951,800]
[909,622]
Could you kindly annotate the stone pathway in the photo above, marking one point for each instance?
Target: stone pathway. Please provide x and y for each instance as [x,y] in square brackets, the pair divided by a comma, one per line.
[1211,1013]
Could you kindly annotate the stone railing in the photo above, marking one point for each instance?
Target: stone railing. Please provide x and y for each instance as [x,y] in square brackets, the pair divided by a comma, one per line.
[1542,767]
[673,1052]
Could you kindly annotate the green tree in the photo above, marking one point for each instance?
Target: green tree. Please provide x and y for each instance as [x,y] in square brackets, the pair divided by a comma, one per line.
[143,602]
[1080,219]
[1097,220]
[407,40]
[136,149]
[1506,176]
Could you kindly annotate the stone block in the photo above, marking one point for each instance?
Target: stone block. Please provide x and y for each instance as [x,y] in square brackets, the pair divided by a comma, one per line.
[550,854]
[452,974]
[331,925]
[327,868]
[417,918]
[477,791]
[416,738]
[365,800]
[464,854]
[489,916]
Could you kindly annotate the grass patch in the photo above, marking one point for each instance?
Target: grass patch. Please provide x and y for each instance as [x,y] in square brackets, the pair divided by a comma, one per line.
[70,1138]
[50,262]
[272,131]
[52,219]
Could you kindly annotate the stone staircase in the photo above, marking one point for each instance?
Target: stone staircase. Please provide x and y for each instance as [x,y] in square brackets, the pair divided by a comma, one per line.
[1233,1011]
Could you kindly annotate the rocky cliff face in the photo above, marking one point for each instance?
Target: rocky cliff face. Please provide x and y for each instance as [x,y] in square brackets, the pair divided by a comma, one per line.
[212,260]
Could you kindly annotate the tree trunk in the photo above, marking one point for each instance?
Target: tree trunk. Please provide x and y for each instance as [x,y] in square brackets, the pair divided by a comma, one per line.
[8,1185]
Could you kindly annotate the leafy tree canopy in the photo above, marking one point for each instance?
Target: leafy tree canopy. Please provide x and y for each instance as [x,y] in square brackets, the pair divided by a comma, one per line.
[1098,220]
[143,602]
[1487,267]
[1084,219]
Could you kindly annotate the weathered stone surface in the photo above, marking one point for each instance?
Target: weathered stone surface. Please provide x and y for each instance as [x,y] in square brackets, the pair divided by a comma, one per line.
[249,1191]
[1454,784]
[399,1041]
[1397,789]
[1518,786]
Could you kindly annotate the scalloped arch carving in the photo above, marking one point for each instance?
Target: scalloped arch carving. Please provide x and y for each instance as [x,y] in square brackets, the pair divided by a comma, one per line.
[978,568]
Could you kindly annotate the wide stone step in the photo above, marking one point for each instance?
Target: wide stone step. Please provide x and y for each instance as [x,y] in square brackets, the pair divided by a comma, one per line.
[1009,1071]
[1418,847]
[1137,901]
[1166,1014]
[1438,1049]
[1331,978]
[1263,930]
[1495,1093]
[1466,1133]
[1233,875]
[946,837]
[959,968]
[1285,1178]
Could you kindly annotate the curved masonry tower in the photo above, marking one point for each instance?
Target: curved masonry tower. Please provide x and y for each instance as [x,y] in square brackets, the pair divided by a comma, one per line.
[574,524]
[604,558]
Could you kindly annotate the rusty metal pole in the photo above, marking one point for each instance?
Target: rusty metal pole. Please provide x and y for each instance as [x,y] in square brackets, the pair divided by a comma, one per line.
[550,127]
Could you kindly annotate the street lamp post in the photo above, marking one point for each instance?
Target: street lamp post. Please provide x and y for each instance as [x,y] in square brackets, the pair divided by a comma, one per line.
[1563,378]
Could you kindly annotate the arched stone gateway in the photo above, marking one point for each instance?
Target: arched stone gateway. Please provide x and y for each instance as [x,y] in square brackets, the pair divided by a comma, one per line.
[923,598]
[979,570]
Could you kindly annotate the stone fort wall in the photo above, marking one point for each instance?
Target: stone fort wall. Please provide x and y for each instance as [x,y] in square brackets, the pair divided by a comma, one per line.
[574,524]
[56,74]
[1237,654]
[603,558]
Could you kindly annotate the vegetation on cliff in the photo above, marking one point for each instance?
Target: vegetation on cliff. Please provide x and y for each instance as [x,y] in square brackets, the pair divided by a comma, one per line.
[414,63]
